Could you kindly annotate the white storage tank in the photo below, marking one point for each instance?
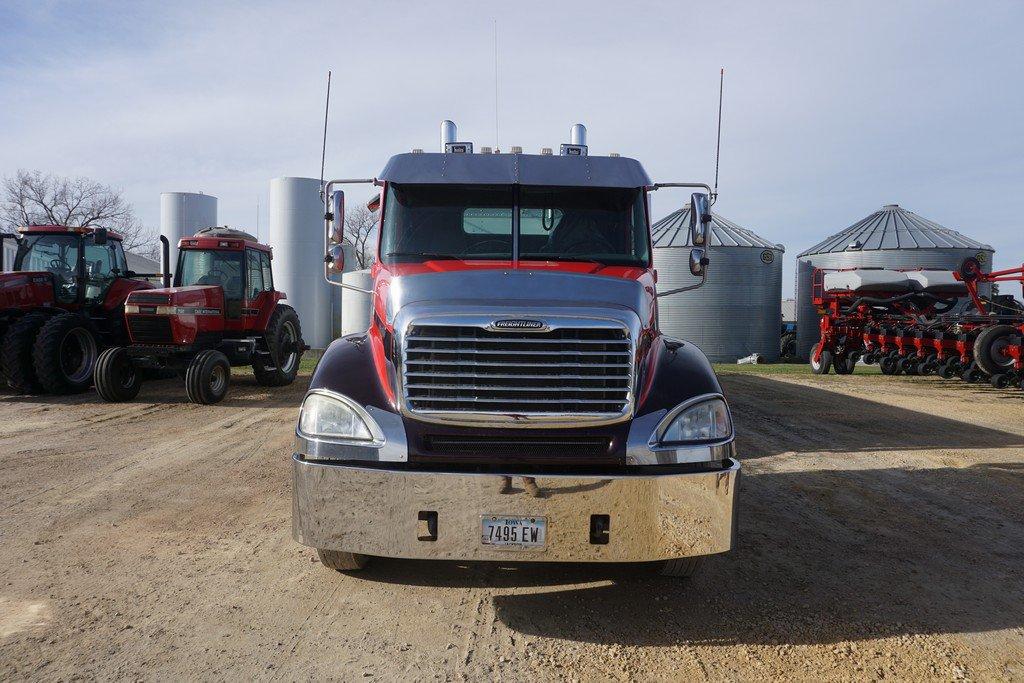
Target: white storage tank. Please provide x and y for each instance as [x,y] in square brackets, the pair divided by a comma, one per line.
[356,307]
[182,214]
[337,293]
[891,238]
[297,236]
[737,312]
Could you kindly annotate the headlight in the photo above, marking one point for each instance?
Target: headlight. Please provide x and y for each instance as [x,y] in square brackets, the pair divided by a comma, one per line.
[333,416]
[704,421]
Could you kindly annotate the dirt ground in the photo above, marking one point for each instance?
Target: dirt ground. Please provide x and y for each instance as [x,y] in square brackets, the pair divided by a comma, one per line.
[881,536]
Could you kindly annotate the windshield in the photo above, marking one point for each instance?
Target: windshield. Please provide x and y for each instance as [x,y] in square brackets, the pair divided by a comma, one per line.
[211,267]
[424,222]
[57,254]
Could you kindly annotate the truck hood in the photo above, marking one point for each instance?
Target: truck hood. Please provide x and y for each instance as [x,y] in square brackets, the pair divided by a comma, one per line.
[520,290]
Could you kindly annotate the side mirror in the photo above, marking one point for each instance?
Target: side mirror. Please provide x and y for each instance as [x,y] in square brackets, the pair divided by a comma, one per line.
[338,211]
[698,262]
[99,237]
[336,258]
[700,219]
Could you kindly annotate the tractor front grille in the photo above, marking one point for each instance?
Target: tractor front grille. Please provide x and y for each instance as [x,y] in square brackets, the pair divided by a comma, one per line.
[150,329]
[453,371]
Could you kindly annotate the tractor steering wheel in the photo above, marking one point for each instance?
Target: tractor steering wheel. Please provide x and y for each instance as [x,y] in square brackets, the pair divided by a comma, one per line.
[59,266]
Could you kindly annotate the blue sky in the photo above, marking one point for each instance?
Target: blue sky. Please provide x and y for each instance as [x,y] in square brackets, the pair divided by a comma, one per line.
[831,109]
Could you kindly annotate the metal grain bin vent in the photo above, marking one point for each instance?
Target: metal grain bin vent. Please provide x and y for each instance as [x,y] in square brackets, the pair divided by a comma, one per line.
[891,237]
[737,312]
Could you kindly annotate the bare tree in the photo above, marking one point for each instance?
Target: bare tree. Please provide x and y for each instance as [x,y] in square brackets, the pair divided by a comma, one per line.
[360,232]
[35,198]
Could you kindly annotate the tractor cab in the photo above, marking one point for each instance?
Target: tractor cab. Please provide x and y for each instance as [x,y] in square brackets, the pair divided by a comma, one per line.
[82,263]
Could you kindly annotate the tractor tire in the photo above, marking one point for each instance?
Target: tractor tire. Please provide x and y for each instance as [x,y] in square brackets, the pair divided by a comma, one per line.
[16,353]
[844,365]
[116,378]
[683,568]
[64,354]
[990,349]
[341,561]
[822,366]
[284,341]
[787,348]
[207,377]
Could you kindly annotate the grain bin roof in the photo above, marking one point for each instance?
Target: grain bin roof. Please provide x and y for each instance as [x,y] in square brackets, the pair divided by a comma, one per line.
[673,231]
[893,227]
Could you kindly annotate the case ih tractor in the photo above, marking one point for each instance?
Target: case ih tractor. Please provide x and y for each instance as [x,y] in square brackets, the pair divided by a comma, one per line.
[62,305]
[222,311]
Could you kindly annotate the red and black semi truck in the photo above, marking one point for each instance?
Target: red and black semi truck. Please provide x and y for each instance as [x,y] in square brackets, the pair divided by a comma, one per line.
[61,305]
[222,311]
[514,398]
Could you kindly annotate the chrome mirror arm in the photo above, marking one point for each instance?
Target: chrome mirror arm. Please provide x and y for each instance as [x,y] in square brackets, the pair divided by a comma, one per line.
[325,195]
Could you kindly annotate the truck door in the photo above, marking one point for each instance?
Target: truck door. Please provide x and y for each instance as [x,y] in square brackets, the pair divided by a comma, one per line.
[258,300]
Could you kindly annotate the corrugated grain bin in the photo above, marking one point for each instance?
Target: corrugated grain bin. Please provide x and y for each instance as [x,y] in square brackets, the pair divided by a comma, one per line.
[891,237]
[738,311]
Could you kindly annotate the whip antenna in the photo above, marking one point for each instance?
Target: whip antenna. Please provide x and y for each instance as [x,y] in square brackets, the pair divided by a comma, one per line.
[496,147]
[718,145]
[323,154]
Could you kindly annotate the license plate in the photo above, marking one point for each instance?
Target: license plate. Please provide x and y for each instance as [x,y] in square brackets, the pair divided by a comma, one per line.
[513,532]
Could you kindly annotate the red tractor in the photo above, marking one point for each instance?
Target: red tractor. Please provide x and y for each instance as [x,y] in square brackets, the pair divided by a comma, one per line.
[222,311]
[62,305]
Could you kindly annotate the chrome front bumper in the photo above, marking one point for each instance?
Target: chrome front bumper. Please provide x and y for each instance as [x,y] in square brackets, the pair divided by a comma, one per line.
[376,511]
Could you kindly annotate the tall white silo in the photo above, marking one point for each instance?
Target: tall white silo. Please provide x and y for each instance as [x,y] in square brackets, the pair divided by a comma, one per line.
[297,236]
[357,307]
[182,214]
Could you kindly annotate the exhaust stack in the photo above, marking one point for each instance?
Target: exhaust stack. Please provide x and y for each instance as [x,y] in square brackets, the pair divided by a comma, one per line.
[449,134]
[577,146]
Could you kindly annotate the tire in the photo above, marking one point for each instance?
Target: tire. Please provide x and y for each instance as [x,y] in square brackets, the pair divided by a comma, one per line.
[16,353]
[949,369]
[683,568]
[971,374]
[990,349]
[64,355]
[909,365]
[341,561]
[207,377]
[283,330]
[822,366]
[1002,380]
[844,365]
[116,378]
[890,365]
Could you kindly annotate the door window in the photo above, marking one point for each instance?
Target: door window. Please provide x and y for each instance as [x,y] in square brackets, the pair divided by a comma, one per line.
[255,273]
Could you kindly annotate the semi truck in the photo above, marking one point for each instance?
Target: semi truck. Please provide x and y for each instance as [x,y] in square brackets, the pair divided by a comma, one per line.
[513,398]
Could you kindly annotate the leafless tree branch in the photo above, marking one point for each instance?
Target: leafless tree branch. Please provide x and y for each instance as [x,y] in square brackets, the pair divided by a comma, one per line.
[33,197]
[361,233]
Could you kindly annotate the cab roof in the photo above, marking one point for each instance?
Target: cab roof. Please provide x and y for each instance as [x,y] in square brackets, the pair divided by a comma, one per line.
[63,229]
[515,169]
[222,238]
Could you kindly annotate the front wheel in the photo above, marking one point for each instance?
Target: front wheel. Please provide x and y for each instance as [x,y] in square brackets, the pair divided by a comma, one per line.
[64,354]
[207,377]
[821,366]
[341,561]
[116,377]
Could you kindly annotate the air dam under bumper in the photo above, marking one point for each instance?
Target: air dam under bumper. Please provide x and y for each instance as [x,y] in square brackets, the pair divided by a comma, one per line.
[375,511]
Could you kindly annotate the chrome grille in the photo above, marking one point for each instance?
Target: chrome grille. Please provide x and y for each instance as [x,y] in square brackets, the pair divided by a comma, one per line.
[453,369]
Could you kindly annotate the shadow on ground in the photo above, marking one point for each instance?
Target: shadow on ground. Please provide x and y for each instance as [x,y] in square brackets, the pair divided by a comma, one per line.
[824,555]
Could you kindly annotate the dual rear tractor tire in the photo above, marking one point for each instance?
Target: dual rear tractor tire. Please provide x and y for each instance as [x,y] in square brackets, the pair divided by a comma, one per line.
[55,354]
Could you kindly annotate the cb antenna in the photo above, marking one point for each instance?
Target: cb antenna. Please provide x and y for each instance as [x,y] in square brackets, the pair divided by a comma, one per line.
[323,153]
[718,145]
[496,144]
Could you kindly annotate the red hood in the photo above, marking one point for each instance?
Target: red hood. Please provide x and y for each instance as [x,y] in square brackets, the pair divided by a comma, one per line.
[199,295]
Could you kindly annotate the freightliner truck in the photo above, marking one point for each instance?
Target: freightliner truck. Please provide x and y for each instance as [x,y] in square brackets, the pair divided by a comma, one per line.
[513,398]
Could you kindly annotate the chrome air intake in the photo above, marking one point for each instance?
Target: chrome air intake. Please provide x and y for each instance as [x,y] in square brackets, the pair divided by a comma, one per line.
[518,372]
